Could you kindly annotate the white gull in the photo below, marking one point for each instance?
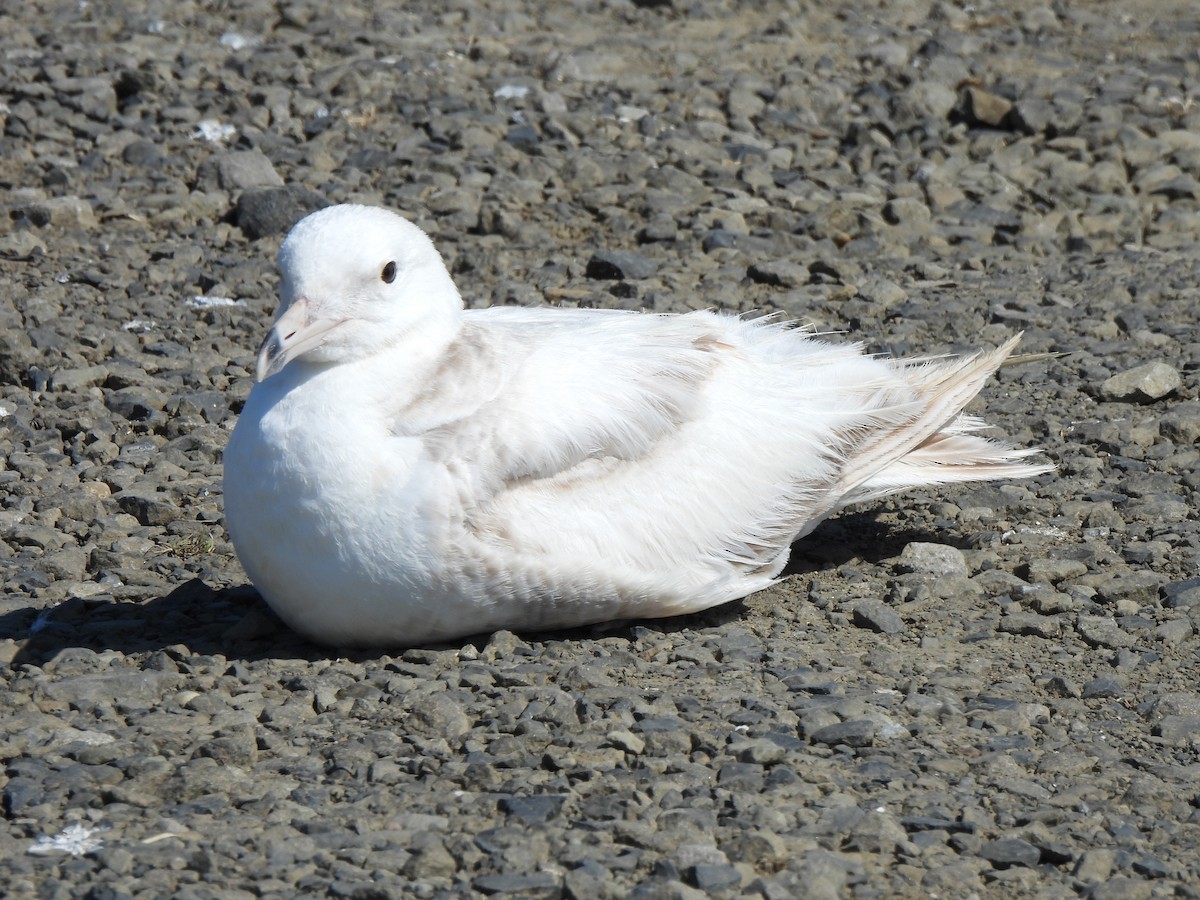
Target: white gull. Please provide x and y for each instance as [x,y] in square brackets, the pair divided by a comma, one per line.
[406,471]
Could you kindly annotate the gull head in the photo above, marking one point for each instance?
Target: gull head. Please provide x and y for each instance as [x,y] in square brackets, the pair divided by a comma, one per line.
[356,280]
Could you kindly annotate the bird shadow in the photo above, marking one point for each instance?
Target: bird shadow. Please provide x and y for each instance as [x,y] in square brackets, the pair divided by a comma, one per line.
[859,536]
[196,619]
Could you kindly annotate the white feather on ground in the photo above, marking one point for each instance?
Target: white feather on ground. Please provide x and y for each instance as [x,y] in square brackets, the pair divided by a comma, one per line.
[408,471]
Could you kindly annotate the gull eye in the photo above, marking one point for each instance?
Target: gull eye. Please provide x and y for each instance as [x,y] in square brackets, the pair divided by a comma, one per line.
[389,273]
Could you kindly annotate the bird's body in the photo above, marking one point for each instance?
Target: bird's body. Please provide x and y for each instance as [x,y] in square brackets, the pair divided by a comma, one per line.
[409,471]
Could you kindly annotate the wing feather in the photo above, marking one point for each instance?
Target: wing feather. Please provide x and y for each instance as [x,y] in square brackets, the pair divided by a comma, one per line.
[524,402]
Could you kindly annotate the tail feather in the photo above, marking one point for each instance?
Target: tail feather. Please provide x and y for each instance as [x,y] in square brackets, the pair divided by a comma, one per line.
[948,460]
[938,445]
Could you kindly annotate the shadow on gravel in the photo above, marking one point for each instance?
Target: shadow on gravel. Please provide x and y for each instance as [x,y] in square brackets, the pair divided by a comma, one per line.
[194,619]
[862,536]
[234,622]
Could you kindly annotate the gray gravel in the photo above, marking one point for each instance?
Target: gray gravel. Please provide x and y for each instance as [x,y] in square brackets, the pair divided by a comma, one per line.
[988,691]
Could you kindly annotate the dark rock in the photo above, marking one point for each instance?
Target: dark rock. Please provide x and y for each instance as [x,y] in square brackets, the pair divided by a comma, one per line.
[523,137]
[209,405]
[1151,867]
[147,505]
[536,810]
[741,776]
[266,211]
[616,264]
[1182,594]
[1010,852]
[318,125]
[709,878]
[853,733]
[719,239]
[144,155]
[878,616]
[23,794]
[1102,687]
[934,823]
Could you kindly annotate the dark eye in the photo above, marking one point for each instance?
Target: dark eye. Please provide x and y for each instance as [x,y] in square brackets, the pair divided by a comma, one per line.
[389,273]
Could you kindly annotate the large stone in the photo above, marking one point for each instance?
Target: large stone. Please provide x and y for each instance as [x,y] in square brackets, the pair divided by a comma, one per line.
[980,107]
[1010,852]
[237,170]
[1144,384]
[147,505]
[932,559]
[858,732]
[878,616]
[268,211]
[619,265]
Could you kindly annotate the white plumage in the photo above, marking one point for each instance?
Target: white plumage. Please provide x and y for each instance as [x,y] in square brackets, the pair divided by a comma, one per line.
[408,471]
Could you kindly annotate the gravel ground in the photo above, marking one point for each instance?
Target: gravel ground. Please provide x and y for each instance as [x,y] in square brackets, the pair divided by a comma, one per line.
[987,691]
